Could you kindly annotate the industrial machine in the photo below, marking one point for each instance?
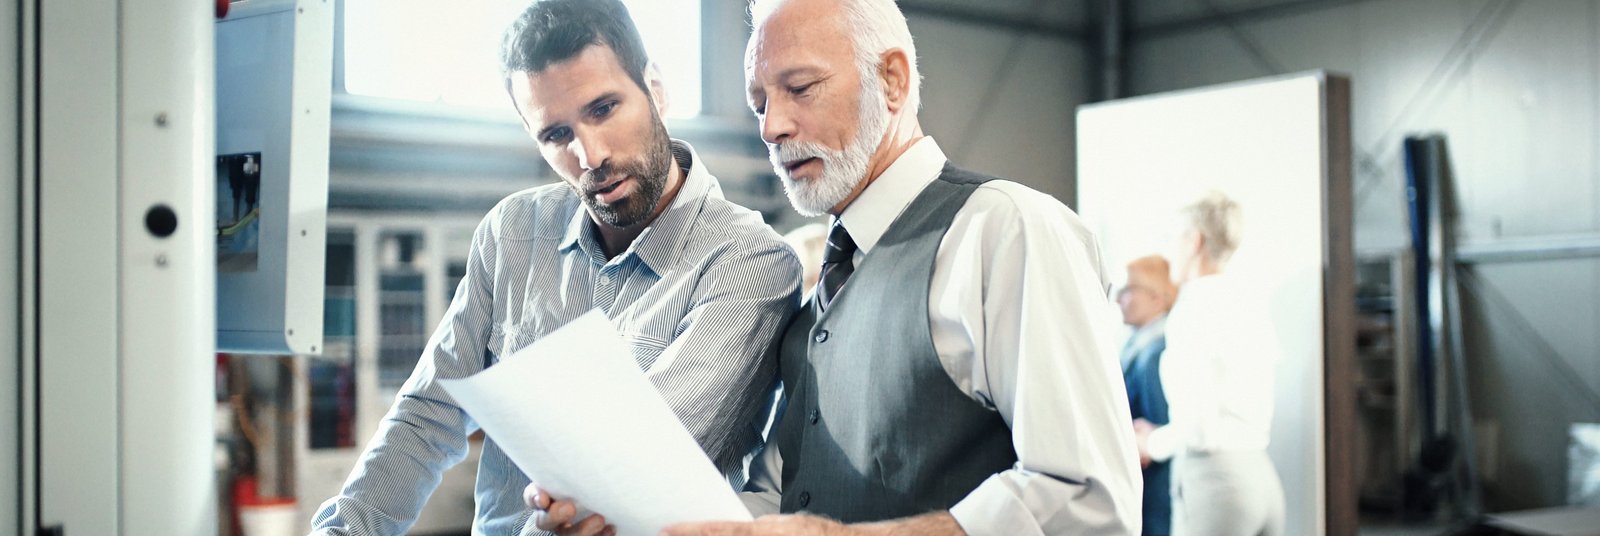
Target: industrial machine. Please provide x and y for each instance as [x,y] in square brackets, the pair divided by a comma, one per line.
[166,174]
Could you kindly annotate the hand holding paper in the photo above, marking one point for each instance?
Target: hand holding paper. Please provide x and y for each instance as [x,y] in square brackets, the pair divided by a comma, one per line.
[574,412]
[561,517]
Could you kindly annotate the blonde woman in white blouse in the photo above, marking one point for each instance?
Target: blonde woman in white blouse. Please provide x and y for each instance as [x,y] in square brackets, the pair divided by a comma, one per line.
[1218,373]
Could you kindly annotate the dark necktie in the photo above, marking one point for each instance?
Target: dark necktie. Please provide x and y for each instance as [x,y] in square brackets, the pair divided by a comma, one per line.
[837,264]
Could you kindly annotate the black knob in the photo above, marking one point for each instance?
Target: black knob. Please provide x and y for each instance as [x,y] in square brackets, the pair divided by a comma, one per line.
[161,221]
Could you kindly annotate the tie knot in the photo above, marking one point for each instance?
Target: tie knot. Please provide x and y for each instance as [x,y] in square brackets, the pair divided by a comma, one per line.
[840,246]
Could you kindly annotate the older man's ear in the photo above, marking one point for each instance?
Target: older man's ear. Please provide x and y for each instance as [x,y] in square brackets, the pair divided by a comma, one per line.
[895,69]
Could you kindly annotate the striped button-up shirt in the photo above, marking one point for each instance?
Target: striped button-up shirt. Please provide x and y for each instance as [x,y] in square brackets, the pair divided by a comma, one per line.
[700,297]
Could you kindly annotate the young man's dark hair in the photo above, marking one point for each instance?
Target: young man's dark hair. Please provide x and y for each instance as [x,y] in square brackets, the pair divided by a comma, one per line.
[552,31]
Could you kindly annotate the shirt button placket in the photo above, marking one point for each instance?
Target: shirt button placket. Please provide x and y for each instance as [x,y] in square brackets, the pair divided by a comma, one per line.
[604,291]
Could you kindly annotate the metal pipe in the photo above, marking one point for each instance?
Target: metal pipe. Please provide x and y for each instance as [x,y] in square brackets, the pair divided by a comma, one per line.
[1529,249]
[1111,41]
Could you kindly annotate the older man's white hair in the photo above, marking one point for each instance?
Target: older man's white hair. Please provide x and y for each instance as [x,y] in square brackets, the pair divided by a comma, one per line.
[874,27]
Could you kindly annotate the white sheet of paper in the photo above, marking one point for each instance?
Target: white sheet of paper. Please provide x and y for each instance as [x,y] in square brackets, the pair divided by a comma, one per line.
[574,412]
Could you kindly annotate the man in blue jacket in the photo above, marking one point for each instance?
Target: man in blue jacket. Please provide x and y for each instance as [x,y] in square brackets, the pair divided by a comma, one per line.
[1145,300]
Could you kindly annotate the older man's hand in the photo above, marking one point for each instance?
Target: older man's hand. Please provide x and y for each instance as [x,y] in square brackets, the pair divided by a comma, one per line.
[780,525]
[556,515]
[930,524]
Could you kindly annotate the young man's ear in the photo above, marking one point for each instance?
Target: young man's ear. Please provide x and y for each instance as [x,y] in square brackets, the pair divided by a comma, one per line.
[658,87]
[895,70]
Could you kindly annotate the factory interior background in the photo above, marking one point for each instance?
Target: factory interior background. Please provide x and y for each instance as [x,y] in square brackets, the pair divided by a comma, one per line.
[422,142]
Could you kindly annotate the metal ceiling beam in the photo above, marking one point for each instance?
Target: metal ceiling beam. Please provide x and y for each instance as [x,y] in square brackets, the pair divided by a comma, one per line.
[981,17]
[1283,9]
[990,19]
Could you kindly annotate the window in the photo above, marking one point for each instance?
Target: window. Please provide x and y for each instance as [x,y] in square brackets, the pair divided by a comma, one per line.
[448,52]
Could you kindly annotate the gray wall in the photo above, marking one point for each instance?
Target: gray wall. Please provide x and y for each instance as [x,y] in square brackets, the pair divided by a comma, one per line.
[9,278]
[1012,121]
[1515,88]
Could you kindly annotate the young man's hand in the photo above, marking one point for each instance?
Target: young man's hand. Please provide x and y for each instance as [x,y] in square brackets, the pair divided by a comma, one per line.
[556,515]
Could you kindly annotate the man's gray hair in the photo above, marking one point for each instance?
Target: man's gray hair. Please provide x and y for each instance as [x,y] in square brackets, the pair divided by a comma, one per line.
[1220,223]
[874,27]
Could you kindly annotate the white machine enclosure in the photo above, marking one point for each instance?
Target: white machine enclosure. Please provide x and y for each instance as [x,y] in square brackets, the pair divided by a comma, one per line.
[273,88]
[117,137]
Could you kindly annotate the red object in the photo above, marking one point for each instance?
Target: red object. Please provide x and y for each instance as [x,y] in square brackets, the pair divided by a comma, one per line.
[244,492]
[222,8]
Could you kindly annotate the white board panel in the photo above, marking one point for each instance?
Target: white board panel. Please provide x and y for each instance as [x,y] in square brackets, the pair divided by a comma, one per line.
[1263,144]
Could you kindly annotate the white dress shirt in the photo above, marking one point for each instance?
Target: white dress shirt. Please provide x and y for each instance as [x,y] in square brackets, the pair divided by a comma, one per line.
[1019,316]
[1218,369]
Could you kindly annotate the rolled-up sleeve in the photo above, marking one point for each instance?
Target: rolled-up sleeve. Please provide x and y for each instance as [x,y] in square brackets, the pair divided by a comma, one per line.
[424,433]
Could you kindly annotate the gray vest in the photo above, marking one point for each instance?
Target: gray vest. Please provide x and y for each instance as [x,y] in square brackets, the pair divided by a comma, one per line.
[873,427]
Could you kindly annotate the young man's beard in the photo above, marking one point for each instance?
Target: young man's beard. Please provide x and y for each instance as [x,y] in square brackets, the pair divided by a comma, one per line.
[650,172]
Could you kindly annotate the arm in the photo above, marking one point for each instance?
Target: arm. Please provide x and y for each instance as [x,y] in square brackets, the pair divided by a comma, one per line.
[1189,376]
[1217,372]
[715,372]
[1042,323]
[763,492]
[723,361]
[1008,279]
[424,433]
[930,524]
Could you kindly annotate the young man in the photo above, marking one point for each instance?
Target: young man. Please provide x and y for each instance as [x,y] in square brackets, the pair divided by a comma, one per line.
[639,229]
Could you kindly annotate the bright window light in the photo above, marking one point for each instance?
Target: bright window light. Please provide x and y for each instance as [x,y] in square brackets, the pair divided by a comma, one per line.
[432,51]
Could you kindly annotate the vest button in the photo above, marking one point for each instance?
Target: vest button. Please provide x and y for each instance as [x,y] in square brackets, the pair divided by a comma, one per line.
[822,336]
[805,498]
[815,415]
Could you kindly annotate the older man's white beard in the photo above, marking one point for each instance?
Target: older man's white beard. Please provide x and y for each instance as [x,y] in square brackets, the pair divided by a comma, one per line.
[842,170]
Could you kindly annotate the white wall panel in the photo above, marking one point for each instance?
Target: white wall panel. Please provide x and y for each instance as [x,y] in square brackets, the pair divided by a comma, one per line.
[1265,144]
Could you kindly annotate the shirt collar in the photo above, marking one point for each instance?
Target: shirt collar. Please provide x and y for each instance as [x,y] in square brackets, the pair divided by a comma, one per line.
[1148,332]
[659,244]
[869,216]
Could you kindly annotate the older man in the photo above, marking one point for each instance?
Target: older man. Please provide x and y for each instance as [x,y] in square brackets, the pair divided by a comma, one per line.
[950,374]
[637,228]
